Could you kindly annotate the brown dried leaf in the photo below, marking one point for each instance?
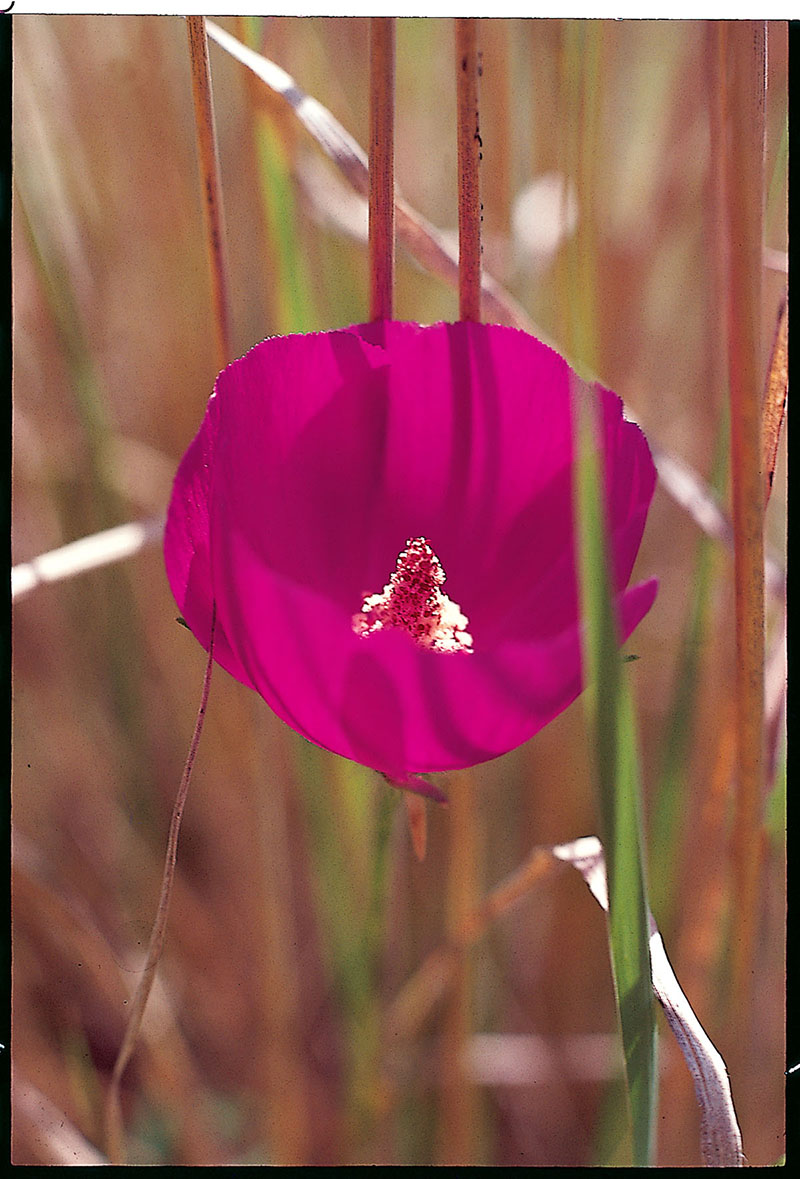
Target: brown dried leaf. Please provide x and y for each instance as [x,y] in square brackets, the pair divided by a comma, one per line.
[775,393]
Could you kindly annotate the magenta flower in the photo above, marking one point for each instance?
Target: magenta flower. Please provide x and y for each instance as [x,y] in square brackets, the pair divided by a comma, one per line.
[383,516]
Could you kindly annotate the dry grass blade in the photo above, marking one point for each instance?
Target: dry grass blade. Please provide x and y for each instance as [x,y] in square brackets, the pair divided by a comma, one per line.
[680,481]
[419,237]
[90,552]
[430,249]
[113,1115]
[58,1142]
[721,1140]
[381,167]
[720,1137]
[208,159]
[694,495]
[775,395]
[428,984]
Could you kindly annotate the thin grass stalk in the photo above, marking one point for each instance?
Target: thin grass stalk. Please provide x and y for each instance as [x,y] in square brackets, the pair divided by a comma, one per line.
[291,297]
[469,155]
[248,31]
[742,47]
[424,989]
[208,160]
[288,1126]
[457,1111]
[579,83]
[114,1134]
[381,166]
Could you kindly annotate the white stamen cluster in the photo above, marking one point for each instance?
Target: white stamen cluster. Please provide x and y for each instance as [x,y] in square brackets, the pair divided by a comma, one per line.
[413,601]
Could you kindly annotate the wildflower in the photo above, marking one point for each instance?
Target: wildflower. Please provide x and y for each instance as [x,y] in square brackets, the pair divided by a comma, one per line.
[383,519]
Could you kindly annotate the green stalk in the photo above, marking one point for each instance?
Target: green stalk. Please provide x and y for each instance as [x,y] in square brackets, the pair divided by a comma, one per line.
[611,710]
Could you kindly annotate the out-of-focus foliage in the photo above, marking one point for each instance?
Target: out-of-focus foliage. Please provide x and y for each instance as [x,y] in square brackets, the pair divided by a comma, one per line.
[300,912]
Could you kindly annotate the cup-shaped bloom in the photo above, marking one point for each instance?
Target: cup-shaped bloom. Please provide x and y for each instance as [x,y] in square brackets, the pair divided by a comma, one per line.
[382,518]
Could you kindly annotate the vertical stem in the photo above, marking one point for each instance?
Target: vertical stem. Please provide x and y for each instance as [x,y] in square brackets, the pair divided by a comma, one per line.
[458,1131]
[580,76]
[287,1105]
[381,166]
[208,160]
[417,823]
[742,45]
[469,154]
[115,1146]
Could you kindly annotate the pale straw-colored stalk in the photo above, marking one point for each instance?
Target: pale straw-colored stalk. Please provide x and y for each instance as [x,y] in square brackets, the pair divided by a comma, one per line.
[208,161]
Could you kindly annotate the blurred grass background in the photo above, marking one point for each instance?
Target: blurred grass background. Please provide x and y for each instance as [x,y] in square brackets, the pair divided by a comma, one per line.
[300,911]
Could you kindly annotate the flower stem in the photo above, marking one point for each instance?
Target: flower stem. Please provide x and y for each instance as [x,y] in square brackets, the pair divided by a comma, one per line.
[417,823]
[469,155]
[115,1148]
[208,160]
[742,45]
[381,166]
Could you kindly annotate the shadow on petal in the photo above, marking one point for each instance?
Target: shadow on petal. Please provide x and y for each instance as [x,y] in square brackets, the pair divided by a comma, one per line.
[372,717]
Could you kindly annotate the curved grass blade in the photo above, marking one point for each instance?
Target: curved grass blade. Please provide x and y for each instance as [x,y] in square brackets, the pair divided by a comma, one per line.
[720,1137]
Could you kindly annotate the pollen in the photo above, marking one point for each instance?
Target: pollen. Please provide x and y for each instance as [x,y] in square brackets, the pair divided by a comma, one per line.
[413,601]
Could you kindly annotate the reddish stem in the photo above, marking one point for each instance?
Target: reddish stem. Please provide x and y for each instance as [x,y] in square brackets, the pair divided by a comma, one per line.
[469,155]
[113,1116]
[381,167]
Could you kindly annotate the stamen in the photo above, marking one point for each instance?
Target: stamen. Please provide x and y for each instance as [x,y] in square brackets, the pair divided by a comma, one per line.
[413,601]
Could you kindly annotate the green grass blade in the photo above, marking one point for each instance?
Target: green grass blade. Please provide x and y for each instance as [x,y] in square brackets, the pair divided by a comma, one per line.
[617,769]
[291,286]
[777,184]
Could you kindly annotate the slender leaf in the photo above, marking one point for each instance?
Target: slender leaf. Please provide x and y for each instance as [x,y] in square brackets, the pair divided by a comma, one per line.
[612,712]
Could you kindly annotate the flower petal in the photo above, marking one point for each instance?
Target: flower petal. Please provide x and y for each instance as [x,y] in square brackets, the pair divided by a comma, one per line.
[187,545]
[321,455]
